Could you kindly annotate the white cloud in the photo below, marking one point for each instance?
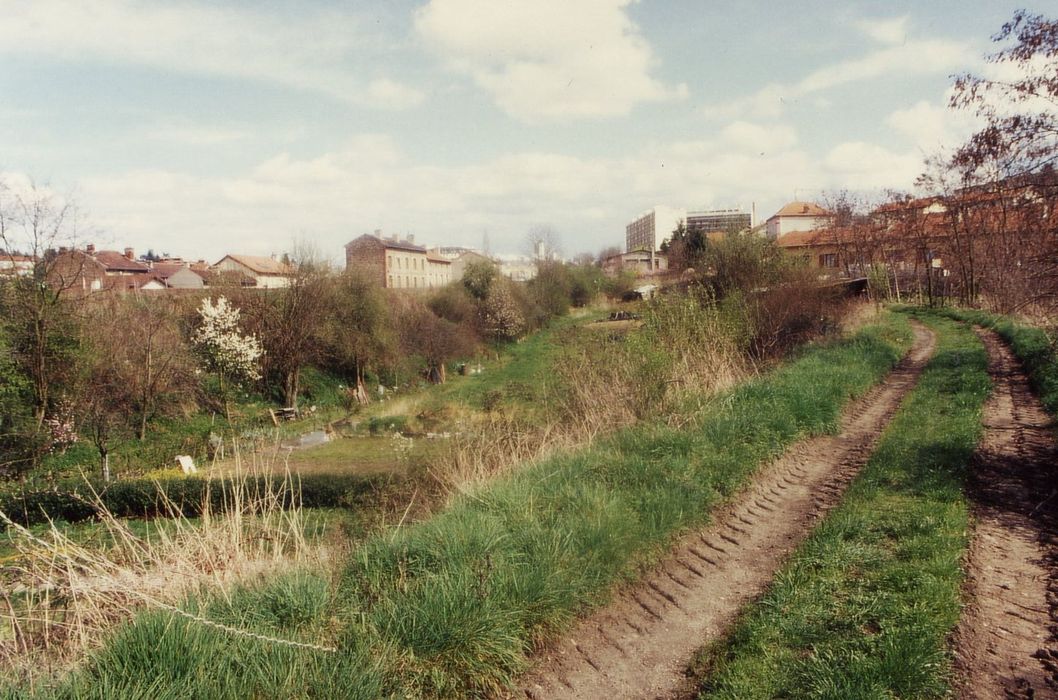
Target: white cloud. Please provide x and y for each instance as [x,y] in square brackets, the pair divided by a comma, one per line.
[548,59]
[865,166]
[389,94]
[885,31]
[931,127]
[916,57]
[760,137]
[309,50]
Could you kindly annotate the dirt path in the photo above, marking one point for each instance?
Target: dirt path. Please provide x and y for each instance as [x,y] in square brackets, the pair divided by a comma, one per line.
[639,646]
[1005,644]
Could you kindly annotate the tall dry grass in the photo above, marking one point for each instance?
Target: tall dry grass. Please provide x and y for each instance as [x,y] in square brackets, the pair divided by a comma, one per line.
[60,597]
[688,346]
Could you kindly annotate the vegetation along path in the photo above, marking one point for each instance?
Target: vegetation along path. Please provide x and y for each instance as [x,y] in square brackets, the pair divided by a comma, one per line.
[639,646]
[1005,642]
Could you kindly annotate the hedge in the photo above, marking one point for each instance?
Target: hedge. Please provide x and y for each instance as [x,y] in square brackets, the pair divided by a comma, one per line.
[143,498]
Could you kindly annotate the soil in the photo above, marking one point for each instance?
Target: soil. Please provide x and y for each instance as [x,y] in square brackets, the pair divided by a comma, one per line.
[640,645]
[1005,645]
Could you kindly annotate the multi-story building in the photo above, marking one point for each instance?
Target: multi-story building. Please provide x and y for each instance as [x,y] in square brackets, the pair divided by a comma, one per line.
[652,227]
[713,220]
[397,264]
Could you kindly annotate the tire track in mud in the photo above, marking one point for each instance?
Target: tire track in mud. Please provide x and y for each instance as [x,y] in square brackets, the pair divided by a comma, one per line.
[1005,645]
[639,645]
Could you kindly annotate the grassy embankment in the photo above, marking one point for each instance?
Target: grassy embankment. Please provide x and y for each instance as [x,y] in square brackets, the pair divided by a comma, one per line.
[864,607]
[450,606]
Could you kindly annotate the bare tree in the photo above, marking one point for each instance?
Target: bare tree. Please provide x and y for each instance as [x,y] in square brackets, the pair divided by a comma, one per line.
[543,242]
[38,311]
[290,320]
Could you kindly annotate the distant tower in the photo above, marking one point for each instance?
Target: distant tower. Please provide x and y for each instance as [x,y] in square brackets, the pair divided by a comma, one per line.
[485,242]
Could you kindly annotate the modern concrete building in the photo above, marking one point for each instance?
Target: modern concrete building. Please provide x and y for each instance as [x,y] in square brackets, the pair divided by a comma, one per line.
[724,220]
[652,227]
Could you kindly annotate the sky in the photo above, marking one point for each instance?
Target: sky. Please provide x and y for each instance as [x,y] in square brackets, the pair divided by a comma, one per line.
[201,128]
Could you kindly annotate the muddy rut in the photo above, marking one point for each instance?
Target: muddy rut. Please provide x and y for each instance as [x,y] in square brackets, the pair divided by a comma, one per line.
[640,645]
[1005,643]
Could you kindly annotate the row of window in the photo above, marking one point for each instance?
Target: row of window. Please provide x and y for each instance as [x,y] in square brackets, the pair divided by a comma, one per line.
[406,263]
[413,282]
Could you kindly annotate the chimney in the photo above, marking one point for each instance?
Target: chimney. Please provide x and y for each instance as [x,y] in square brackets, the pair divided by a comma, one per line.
[90,249]
[275,257]
[130,253]
[411,238]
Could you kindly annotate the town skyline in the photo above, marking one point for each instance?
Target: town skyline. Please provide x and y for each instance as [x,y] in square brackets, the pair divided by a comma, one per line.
[197,130]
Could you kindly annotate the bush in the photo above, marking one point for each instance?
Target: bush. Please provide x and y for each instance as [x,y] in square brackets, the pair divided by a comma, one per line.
[387,424]
[142,498]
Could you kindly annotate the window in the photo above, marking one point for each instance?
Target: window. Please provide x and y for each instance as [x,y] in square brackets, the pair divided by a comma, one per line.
[390,263]
[391,280]
[828,260]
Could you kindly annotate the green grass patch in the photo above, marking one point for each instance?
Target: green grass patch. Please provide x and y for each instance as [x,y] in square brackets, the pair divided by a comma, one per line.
[864,607]
[450,607]
[1032,346]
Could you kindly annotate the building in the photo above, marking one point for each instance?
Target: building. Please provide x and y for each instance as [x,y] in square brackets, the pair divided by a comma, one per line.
[797,216]
[14,265]
[177,276]
[517,268]
[438,270]
[652,227]
[396,264]
[714,220]
[92,270]
[468,257]
[267,272]
[820,248]
[642,263]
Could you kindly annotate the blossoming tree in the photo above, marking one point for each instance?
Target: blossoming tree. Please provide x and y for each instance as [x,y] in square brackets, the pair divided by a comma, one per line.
[223,348]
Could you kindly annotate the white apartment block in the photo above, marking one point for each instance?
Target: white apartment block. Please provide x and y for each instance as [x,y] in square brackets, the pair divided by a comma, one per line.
[652,227]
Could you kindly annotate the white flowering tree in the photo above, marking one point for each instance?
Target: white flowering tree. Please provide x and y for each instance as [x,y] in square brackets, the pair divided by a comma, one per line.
[223,348]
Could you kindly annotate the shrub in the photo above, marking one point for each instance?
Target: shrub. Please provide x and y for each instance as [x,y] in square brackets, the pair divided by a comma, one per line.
[387,424]
[143,498]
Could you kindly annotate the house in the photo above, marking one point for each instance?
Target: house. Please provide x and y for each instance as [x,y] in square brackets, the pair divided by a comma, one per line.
[14,265]
[266,272]
[92,270]
[465,258]
[176,275]
[641,262]
[438,270]
[797,216]
[820,248]
[396,264]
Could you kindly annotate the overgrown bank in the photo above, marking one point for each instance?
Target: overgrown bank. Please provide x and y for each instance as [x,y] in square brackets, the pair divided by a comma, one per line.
[865,606]
[451,606]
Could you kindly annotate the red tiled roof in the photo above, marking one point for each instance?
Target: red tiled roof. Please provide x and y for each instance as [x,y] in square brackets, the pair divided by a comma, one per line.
[114,261]
[801,209]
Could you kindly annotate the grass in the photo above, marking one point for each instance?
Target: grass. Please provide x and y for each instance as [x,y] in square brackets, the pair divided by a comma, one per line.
[864,607]
[1032,346]
[449,607]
